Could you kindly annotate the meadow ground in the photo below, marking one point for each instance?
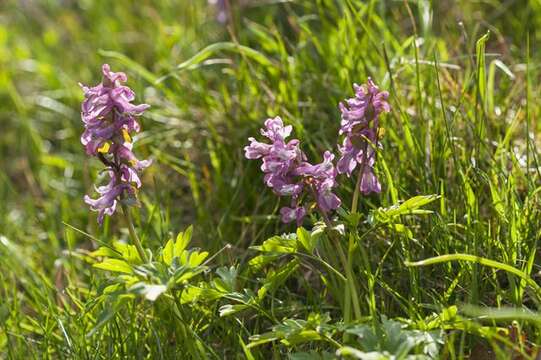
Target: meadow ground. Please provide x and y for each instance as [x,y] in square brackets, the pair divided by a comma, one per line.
[461,143]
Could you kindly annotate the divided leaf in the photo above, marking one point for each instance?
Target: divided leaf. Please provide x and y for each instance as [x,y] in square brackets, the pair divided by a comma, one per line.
[115,265]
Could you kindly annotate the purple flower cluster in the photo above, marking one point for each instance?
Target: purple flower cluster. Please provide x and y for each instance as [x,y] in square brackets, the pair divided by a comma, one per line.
[109,118]
[360,125]
[288,173]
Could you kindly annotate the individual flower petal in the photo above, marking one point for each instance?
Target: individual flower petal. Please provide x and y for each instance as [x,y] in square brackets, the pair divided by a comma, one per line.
[256,149]
[97,104]
[320,171]
[122,97]
[348,157]
[275,129]
[129,175]
[112,79]
[127,155]
[129,122]
[290,214]
[110,185]
[369,181]
[328,201]
[288,189]
[106,203]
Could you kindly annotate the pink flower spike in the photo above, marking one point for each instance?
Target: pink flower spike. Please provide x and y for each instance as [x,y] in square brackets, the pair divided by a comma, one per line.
[109,119]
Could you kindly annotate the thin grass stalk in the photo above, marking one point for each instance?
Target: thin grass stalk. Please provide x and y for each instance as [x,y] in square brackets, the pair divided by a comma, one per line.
[350,285]
[133,234]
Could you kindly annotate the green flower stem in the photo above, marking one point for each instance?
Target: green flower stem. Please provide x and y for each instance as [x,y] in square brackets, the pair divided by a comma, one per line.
[357,191]
[133,234]
[351,247]
[351,289]
[351,244]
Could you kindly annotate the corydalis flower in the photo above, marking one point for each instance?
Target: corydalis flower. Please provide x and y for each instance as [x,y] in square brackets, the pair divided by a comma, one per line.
[322,178]
[360,125]
[108,114]
[109,118]
[288,173]
[106,203]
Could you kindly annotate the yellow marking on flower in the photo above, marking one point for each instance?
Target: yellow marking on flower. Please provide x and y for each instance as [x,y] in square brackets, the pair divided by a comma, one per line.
[126,136]
[104,148]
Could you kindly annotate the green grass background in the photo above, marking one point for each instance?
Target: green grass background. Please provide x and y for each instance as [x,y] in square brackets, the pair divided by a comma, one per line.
[464,125]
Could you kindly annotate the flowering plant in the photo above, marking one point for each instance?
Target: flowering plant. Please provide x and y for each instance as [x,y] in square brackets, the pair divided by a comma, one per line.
[177,275]
[109,119]
[288,173]
[360,125]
